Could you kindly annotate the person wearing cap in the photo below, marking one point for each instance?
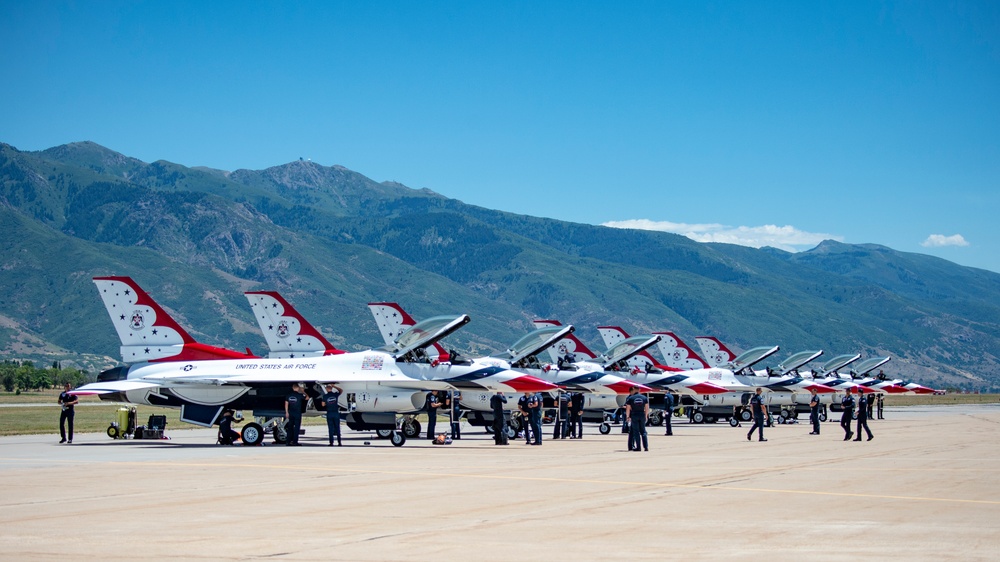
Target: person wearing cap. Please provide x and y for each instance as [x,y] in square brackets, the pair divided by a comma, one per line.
[526,423]
[433,402]
[814,412]
[332,401]
[535,411]
[845,418]
[293,415]
[227,436]
[759,409]
[637,411]
[67,401]
[863,410]
[668,412]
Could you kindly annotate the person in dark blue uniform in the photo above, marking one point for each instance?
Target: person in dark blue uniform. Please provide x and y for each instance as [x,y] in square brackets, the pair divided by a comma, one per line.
[535,409]
[497,402]
[879,406]
[226,434]
[845,418]
[67,401]
[331,399]
[293,413]
[863,411]
[432,405]
[561,429]
[668,412]
[814,412]
[526,423]
[637,411]
[759,409]
[456,414]
[576,415]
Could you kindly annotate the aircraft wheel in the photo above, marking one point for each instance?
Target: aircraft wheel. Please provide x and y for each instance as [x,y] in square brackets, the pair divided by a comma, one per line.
[411,428]
[397,438]
[517,424]
[113,432]
[511,432]
[709,419]
[604,428]
[252,434]
[822,417]
[781,419]
[745,415]
[785,414]
[698,417]
[280,434]
[384,433]
[656,418]
[734,422]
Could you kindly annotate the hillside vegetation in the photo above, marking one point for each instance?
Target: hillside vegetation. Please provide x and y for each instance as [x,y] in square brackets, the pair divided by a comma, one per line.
[331,240]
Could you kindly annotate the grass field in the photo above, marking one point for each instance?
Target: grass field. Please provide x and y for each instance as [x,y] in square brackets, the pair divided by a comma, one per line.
[95,416]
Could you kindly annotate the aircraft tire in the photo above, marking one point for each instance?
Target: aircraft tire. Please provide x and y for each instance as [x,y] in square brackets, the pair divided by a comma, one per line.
[781,419]
[734,422]
[397,438]
[384,433]
[745,415]
[511,432]
[698,417]
[252,434]
[656,418]
[604,428]
[411,428]
[279,434]
[822,417]
[785,414]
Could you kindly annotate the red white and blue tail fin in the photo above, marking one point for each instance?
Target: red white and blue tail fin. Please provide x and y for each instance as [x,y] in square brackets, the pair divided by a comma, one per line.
[613,335]
[287,333]
[678,354]
[714,351]
[146,331]
[569,344]
[392,321]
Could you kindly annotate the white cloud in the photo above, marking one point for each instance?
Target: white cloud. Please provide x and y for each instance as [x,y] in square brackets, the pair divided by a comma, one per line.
[939,240]
[786,237]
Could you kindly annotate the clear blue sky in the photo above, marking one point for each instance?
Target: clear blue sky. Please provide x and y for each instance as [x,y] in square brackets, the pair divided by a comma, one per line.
[860,121]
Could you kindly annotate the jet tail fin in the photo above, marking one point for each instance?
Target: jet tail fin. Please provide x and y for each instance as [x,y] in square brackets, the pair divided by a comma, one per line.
[146,331]
[678,354]
[714,351]
[392,321]
[287,333]
[569,344]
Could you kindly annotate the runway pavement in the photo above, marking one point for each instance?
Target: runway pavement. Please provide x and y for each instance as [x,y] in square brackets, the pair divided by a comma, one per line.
[926,488]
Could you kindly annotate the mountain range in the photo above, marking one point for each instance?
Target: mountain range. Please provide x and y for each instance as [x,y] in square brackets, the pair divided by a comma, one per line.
[331,240]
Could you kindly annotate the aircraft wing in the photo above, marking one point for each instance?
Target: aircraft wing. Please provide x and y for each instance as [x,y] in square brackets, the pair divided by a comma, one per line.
[114,386]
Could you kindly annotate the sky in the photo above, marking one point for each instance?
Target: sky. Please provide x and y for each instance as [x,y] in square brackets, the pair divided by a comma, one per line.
[757,123]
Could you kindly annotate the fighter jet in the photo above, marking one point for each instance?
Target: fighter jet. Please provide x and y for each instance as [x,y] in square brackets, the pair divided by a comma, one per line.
[163,372]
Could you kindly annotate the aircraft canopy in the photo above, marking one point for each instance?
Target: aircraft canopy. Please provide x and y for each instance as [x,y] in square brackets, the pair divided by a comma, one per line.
[425,333]
[534,342]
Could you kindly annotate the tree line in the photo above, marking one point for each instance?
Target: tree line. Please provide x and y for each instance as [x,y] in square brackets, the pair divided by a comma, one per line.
[19,376]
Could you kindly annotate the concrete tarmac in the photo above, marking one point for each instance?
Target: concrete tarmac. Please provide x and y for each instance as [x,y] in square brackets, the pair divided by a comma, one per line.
[926,488]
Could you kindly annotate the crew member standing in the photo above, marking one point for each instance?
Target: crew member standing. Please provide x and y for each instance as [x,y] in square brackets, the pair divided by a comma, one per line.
[814,412]
[637,411]
[293,414]
[845,419]
[668,412]
[433,403]
[67,401]
[863,410]
[576,415]
[871,408]
[535,409]
[562,424]
[332,398]
[456,414]
[526,423]
[497,402]
[759,409]
[879,406]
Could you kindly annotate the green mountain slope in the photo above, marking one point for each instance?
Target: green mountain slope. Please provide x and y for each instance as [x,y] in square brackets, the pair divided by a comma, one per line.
[331,240]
